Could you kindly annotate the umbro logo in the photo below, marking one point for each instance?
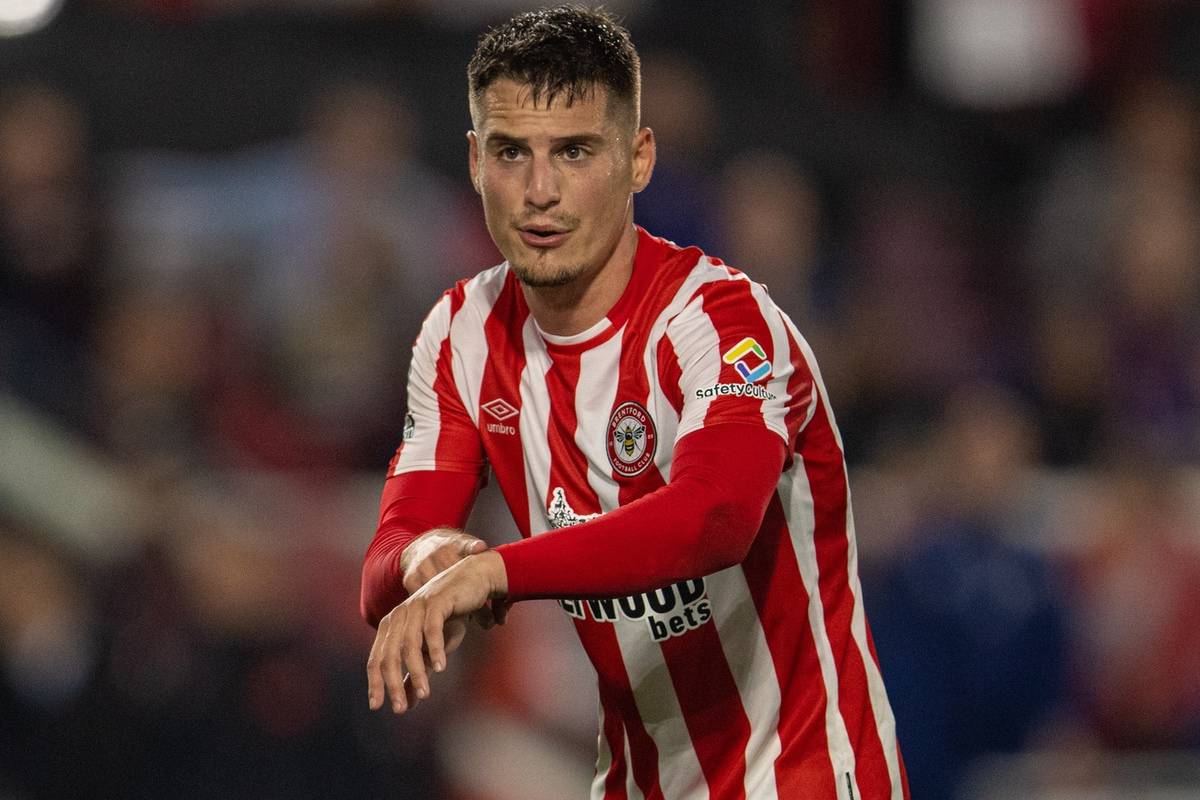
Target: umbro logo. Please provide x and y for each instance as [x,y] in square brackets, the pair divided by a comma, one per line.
[499,409]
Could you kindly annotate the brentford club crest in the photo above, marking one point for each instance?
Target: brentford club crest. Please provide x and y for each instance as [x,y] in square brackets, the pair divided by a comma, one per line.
[632,439]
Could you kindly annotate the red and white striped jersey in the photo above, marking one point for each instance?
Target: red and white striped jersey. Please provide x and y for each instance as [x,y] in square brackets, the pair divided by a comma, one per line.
[757,681]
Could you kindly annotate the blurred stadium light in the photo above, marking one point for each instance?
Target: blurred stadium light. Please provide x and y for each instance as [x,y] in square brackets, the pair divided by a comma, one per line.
[18,17]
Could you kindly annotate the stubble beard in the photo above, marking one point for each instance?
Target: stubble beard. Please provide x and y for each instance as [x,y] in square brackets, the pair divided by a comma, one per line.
[535,279]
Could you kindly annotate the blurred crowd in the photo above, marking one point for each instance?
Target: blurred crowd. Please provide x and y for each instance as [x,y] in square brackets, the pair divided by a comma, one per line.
[999,274]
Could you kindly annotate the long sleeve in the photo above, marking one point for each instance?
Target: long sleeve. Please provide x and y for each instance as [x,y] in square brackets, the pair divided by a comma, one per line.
[412,503]
[703,520]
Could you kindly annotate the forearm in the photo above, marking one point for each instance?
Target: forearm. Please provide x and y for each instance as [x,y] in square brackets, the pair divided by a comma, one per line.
[411,505]
[704,520]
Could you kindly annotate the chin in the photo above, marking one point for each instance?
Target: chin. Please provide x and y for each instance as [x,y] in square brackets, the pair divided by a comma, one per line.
[543,270]
[545,277]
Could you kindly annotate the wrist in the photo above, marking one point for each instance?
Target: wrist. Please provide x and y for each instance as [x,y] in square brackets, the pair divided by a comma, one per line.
[495,572]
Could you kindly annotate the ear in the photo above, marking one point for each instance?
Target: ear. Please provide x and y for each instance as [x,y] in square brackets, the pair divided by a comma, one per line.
[473,160]
[644,154]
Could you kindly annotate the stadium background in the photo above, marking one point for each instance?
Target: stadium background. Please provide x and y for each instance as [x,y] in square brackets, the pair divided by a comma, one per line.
[221,222]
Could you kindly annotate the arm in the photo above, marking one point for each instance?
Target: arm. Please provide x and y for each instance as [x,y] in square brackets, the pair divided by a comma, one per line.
[432,481]
[705,519]
[417,536]
[702,521]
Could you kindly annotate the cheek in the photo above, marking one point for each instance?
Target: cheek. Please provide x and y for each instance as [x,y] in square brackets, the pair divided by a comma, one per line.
[606,198]
[495,200]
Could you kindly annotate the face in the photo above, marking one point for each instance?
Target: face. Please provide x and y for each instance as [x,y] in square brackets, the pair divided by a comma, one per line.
[556,181]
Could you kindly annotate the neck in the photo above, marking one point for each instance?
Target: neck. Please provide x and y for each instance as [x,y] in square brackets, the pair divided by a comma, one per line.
[577,306]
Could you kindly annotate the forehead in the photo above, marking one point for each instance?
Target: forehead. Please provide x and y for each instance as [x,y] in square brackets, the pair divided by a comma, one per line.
[508,106]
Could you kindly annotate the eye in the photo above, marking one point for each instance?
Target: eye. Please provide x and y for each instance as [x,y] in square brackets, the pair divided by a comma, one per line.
[573,152]
[509,153]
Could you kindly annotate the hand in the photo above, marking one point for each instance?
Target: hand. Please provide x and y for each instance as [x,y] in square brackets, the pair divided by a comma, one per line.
[419,633]
[434,551]
[441,548]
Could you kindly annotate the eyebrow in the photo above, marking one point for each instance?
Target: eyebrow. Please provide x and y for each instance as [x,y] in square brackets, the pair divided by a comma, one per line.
[500,137]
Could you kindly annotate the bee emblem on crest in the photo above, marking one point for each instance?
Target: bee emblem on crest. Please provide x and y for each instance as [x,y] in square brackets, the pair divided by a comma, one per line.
[628,438]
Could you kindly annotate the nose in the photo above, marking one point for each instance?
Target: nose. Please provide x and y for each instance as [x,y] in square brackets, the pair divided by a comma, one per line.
[541,189]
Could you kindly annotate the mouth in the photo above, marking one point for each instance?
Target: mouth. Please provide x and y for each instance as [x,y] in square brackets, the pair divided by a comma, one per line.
[543,236]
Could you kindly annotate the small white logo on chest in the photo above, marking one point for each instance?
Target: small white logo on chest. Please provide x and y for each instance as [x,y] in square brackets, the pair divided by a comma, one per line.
[559,512]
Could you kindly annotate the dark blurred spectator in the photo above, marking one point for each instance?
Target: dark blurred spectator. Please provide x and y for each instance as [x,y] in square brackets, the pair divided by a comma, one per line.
[156,362]
[1152,137]
[772,226]
[50,251]
[970,627]
[1136,587]
[1115,257]
[914,325]
[366,247]
[681,202]
[1071,368]
[50,649]
[318,262]
[1154,402]
[194,670]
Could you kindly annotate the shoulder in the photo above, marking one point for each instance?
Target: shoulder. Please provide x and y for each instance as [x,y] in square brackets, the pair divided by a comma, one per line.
[478,293]
[470,298]
[684,279]
[712,287]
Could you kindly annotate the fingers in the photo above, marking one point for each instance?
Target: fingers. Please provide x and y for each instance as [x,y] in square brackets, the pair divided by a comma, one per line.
[411,641]
[416,636]
[394,671]
[387,669]
[412,654]
[470,545]
[435,643]
[375,683]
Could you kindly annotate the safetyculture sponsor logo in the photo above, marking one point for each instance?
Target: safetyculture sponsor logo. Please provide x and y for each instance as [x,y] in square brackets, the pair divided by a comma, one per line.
[740,356]
[501,410]
[671,611]
[751,390]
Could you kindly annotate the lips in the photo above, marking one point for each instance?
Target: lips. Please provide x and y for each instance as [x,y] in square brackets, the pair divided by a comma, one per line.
[543,236]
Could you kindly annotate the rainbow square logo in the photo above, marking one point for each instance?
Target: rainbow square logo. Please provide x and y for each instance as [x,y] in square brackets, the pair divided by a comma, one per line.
[740,357]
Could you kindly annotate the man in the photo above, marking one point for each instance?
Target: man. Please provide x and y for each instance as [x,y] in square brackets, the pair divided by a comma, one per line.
[665,445]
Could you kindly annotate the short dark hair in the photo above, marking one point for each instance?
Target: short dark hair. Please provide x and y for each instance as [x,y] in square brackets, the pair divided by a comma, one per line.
[565,50]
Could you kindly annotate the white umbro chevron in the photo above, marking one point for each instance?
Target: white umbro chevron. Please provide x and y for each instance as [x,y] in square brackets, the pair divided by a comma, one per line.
[499,409]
